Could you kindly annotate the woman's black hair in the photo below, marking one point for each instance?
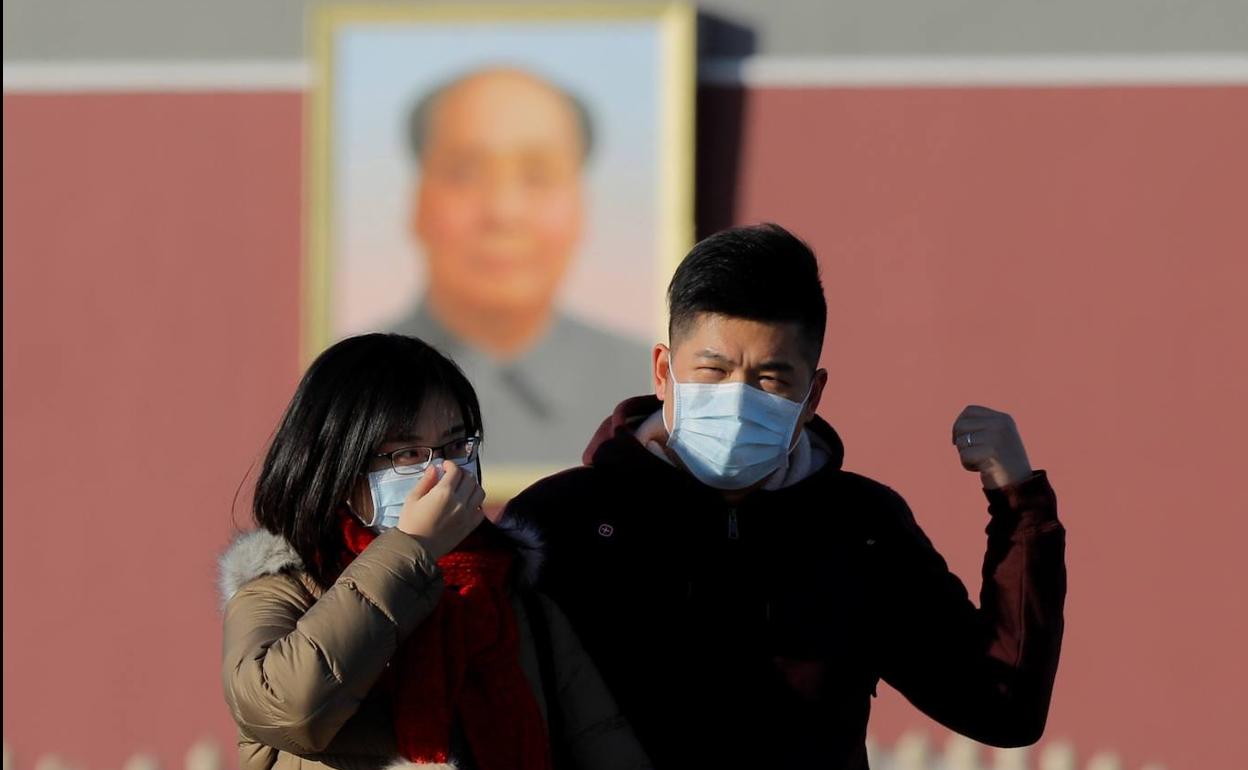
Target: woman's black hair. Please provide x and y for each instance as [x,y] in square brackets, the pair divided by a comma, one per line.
[356,395]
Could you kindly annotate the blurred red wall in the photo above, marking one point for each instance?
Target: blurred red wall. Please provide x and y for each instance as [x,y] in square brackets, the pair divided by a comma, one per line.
[1075,256]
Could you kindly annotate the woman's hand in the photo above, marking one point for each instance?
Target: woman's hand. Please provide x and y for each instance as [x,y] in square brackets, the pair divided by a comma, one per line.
[441,512]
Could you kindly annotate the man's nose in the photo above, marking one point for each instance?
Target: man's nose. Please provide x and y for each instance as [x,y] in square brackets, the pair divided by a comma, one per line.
[505,202]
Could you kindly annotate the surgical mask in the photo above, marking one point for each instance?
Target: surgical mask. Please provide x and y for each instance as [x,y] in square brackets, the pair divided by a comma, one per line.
[730,435]
[390,490]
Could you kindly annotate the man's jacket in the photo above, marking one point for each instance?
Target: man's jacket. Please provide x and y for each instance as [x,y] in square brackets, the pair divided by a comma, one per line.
[755,635]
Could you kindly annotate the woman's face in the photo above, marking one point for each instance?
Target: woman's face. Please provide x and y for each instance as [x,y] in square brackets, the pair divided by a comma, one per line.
[439,423]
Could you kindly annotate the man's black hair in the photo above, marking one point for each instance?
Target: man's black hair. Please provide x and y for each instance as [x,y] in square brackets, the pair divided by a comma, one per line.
[358,394]
[761,273]
[421,114]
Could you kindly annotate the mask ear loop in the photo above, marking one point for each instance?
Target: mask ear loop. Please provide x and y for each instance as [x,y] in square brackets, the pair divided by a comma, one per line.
[793,431]
[671,374]
[358,516]
[354,513]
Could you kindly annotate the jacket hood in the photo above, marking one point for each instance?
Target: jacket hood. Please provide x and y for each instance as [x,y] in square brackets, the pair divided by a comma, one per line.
[615,443]
[258,553]
[252,555]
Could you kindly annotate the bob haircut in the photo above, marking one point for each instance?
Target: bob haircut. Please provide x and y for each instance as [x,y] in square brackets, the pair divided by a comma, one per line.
[356,395]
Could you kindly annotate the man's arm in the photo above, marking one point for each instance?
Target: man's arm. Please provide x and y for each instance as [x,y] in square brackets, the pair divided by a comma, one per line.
[988,672]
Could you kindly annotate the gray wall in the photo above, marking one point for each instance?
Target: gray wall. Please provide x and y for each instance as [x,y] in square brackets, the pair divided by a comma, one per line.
[49,30]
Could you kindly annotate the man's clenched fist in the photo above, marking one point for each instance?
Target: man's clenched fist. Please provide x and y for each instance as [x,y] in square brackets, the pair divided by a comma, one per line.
[988,442]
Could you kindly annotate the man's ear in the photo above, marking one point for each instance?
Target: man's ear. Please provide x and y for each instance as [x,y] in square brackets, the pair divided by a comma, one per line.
[416,212]
[817,384]
[660,364]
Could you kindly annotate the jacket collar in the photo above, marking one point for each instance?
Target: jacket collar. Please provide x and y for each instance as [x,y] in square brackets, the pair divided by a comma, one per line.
[258,553]
[615,442]
[252,555]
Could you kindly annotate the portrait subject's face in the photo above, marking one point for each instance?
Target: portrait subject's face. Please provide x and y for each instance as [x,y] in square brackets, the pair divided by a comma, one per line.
[499,207]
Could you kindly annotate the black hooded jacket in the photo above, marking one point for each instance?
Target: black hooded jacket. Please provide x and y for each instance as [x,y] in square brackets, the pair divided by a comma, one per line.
[755,635]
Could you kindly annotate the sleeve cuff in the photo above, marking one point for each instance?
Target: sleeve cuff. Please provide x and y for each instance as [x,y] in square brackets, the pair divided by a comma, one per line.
[1031,500]
[397,574]
[403,548]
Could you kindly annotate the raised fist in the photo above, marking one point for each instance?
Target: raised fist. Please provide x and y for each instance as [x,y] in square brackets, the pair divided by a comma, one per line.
[988,442]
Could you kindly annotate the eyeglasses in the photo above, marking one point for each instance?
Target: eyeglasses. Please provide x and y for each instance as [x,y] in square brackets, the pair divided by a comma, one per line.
[411,460]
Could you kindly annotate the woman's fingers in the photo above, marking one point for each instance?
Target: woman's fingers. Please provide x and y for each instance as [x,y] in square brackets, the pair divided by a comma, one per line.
[423,487]
[465,482]
[476,498]
[451,475]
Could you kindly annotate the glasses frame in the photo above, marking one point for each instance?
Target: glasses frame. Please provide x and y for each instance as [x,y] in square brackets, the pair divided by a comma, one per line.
[434,452]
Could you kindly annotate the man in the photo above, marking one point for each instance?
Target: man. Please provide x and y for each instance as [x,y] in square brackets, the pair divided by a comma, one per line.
[741,592]
[498,212]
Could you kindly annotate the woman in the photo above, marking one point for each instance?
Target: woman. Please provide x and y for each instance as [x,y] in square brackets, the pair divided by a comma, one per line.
[374,619]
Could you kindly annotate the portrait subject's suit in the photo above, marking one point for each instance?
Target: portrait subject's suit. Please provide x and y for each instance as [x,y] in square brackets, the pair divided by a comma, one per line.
[538,407]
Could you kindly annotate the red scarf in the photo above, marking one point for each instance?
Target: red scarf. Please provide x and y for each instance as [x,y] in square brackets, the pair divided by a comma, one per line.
[463,662]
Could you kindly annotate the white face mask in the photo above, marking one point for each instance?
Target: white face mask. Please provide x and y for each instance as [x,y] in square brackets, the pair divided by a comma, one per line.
[390,491]
[730,435]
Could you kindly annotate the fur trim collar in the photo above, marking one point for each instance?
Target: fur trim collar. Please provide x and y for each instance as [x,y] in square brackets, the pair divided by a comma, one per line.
[252,555]
[260,552]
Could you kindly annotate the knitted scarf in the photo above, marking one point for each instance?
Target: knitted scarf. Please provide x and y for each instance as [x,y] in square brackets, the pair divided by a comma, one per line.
[463,663]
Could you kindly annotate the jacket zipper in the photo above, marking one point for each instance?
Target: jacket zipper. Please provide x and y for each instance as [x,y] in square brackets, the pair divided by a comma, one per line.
[733,532]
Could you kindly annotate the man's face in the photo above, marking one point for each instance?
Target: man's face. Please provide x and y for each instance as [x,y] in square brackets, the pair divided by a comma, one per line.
[772,357]
[499,207]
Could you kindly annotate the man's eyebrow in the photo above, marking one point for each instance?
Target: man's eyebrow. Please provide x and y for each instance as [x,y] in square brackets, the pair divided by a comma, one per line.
[714,355]
[776,365]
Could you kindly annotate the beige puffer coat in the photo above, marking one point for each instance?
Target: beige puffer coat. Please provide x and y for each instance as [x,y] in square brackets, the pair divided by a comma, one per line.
[301,664]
